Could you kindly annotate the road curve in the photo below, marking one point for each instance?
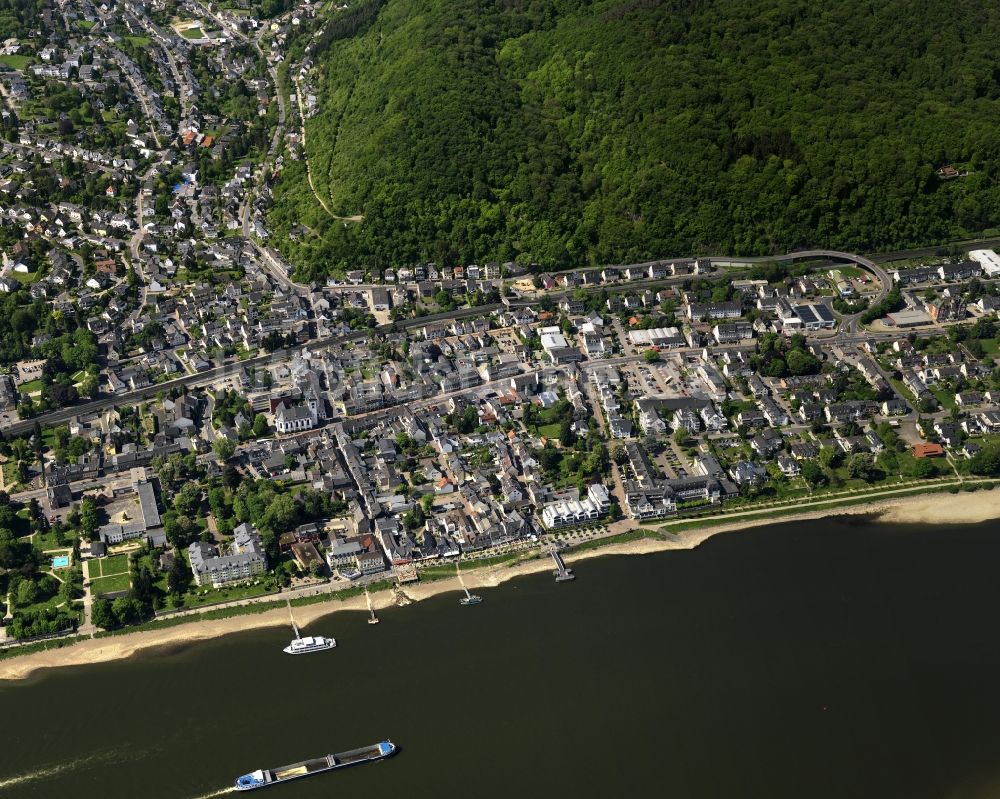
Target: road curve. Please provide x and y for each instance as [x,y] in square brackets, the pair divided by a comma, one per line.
[867,264]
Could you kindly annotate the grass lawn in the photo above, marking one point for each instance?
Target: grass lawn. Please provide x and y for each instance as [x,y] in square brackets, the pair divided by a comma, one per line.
[107,585]
[621,538]
[10,474]
[207,595]
[113,564]
[26,278]
[549,430]
[108,115]
[16,61]
[193,33]
[49,437]
[945,397]
[902,390]
[47,540]
[31,386]
[138,41]
[445,571]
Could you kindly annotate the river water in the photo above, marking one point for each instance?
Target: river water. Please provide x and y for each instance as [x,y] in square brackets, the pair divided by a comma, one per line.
[834,659]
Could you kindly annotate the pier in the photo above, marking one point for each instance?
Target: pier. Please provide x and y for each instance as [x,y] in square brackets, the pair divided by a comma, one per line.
[372,619]
[563,575]
[468,599]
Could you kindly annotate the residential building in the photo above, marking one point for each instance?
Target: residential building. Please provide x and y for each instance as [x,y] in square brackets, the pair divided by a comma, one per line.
[244,559]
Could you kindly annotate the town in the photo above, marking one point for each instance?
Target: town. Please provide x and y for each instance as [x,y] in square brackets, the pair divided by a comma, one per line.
[186,425]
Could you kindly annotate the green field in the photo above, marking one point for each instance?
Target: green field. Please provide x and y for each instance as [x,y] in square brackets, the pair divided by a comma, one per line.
[26,278]
[106,567]
[16,61]
[192,33]
[30,386]
[138,41]
[550,430]
[944,396]
[47,540]
[210,596]
[107,585]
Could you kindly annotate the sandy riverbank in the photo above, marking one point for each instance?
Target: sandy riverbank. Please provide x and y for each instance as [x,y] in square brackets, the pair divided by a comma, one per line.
[965,508]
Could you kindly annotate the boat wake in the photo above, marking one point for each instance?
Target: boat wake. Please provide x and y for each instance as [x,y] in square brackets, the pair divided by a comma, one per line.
[61,768]
[221,792]
[46,773]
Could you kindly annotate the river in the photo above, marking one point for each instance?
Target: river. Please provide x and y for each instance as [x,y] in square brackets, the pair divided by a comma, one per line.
[837,659]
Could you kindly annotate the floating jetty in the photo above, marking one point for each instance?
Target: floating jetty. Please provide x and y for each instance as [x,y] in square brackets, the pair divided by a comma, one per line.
[303,645]
[562,574]
[372,619]
[468,599]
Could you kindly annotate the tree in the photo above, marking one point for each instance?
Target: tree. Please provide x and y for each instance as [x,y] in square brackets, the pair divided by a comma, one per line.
[27,593]
[469,420]
[813,474]
[59,531]
[862,467]
[281,514]
[566,435]
[67,589]
[619,454]
[830,457]
[223,448]
[922,467]
[187,499]
[984,327]
[651,356]
[801,363]
[178,528]
[179,577]
[89,520]
[987,461]
[102,614]
[89,385]
[127,610]
[260,426]
[427,502]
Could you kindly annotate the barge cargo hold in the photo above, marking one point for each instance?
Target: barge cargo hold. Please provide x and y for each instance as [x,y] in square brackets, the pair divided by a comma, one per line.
[264,777]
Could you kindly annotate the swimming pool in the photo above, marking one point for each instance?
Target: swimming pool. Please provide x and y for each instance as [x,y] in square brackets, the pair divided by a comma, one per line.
[60,562]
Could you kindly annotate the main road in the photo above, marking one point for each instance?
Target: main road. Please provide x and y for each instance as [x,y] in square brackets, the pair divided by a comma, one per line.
[210,376]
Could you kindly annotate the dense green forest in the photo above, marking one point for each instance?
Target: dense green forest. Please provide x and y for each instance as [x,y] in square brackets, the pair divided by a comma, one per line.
[568,131]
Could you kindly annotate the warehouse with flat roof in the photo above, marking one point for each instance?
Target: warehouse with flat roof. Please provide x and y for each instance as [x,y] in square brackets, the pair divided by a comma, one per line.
[988,259]
[909,318]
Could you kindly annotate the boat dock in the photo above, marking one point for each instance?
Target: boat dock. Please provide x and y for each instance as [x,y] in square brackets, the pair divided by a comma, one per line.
[372,619]
[469,599]
[562,574]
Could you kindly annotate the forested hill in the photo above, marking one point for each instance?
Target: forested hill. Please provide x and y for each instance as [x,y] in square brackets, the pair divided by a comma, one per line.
[567,131]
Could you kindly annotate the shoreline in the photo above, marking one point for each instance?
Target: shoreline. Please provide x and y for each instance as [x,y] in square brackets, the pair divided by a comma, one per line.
[940,508]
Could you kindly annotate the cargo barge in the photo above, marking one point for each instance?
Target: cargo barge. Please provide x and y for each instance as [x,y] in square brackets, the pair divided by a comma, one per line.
[307,768]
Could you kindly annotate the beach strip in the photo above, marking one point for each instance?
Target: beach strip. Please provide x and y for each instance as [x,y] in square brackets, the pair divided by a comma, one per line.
[940,508]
